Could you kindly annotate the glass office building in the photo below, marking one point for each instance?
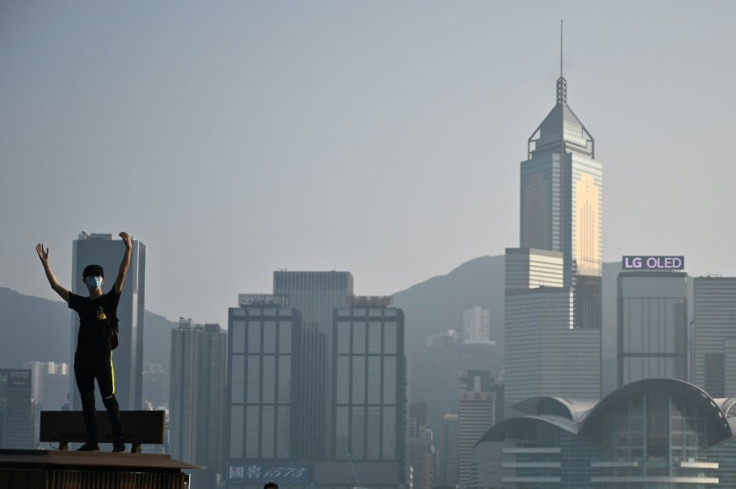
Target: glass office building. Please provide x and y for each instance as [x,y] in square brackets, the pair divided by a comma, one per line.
[561,204]
[370,393]
[370,407]
[652,326]
[261,371]
[276,392]
[263,337]
[553,280]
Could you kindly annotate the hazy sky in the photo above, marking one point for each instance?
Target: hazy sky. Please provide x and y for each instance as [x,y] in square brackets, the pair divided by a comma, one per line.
[380,137]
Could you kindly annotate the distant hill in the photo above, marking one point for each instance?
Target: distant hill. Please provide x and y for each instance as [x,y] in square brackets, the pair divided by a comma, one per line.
[32,328]
[437,304]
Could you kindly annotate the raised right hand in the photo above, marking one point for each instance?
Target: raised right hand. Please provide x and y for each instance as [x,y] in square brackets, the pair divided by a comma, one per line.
[43,254]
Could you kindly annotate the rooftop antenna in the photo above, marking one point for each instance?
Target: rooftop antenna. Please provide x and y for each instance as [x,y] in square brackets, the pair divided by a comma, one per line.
[561,29]
[561,82]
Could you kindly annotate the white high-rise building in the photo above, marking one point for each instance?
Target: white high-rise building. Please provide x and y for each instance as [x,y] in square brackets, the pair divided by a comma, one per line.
[531,268]
[477,326]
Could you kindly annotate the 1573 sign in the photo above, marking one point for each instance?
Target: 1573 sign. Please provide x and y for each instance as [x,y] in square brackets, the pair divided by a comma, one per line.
[263,472]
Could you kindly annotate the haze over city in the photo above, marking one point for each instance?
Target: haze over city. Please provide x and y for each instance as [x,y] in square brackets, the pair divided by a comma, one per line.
[237,138]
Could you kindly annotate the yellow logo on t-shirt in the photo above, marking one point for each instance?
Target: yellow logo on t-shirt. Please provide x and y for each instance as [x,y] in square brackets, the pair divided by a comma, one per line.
[101,314]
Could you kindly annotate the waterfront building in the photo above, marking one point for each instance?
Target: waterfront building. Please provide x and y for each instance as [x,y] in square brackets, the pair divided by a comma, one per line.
[652,433]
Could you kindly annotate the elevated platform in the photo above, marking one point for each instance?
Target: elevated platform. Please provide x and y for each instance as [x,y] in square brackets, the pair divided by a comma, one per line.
[46,469]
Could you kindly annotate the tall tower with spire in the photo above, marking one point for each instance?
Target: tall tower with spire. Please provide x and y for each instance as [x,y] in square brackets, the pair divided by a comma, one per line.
[553,280]
[562,205]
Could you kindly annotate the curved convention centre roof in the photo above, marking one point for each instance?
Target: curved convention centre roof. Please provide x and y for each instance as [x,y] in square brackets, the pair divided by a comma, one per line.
[573,409]
[516,427]
[584,417]
[718,425]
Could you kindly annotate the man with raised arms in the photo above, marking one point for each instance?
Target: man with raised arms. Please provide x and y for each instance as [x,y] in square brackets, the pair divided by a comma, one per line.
[96,339]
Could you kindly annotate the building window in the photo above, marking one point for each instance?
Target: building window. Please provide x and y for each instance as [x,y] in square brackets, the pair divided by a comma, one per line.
[236,431]
[252,424]
[253,394]
[389,338]
[343,337]
[269,337]
[343,380]
[374,337]
[254,337]
[389,380]
[284,337]
[238,337]
[237,379]
[358,380]
[359,337]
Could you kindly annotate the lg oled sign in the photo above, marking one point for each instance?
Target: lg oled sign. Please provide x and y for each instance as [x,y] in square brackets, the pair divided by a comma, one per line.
[638,262]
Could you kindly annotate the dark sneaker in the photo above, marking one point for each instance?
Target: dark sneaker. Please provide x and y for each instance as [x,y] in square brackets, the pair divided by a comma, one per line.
[118,446]
[89,447]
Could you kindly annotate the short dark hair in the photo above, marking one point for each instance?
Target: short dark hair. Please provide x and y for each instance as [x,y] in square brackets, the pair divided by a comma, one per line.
[93,271]
[271,485]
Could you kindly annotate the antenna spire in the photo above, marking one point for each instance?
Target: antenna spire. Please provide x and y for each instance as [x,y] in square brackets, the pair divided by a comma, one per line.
[561,30]
[561,82]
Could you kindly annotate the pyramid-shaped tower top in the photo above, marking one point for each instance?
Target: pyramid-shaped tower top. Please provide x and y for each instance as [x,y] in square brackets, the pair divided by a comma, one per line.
[561,130]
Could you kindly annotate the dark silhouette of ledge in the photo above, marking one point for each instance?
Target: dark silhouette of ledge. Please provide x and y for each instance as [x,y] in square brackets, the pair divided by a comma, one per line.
[36,469]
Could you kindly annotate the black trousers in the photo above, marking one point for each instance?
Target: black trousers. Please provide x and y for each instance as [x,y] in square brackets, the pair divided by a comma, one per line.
[88,366]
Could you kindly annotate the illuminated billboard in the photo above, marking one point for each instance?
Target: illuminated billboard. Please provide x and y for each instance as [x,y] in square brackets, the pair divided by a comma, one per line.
[648,263]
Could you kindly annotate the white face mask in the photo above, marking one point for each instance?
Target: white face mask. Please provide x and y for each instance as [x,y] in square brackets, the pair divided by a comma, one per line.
[93,283]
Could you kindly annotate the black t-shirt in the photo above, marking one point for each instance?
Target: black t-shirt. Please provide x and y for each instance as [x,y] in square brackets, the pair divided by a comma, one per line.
[94,332]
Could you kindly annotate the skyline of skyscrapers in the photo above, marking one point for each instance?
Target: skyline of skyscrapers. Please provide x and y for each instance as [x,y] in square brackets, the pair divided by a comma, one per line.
[106,251]
[318,377]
